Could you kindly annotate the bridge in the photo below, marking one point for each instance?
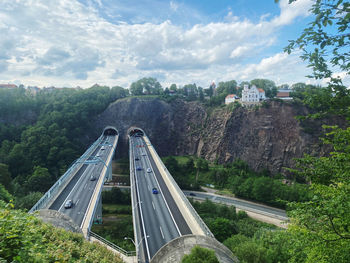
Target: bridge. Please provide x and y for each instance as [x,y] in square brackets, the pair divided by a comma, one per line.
[82,185]
[166,226]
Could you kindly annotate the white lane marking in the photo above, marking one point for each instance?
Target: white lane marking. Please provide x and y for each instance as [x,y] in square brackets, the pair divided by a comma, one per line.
[161,231]
[140,209]
[153,206]
[85,186]
[161,192]
[77,183]
[77,202]
[149,188]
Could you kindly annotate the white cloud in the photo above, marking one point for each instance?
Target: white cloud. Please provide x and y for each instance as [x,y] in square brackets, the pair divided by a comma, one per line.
[65,41]
[174,6]
[291,11]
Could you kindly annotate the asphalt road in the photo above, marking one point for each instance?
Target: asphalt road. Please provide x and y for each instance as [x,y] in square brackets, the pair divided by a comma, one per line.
[241,204]
[160,225]
[81,188]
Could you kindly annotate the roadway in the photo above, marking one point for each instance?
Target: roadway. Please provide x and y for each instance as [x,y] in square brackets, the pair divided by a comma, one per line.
[161,221]
[240,204]
[81,188]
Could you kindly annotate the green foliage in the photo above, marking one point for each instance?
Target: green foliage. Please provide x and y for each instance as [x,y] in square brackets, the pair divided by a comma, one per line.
[146,86]
[200,255]
[4,194]
[184,174]
[5,176]
[37,154]
[40,180]
[117,218]
[25,238]
[325,44]
[323,224]
[116,196]
[228,87]
[267,85]
[28,201]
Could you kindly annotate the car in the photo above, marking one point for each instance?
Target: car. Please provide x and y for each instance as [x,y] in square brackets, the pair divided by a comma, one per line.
[103,148]
[137,158]
[92,178]
[144,154]
[149,170]
[68,204]
[154,191]
[192,194]
[98,155]
[139,168]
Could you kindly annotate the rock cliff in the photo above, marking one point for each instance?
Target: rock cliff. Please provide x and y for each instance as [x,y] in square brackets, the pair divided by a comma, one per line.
[267,137]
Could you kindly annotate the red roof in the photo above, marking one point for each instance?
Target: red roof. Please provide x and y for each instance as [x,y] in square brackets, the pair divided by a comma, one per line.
[261,90]
[282,94]
[230,96]
[8,86]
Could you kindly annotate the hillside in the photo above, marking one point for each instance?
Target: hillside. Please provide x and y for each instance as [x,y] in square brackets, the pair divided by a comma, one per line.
[25,238]
[267,137]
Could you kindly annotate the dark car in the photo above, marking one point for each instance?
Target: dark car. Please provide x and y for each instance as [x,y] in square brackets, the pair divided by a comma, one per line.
[192,194]
[154,191]
[68,204]
[137,158]
[138,168]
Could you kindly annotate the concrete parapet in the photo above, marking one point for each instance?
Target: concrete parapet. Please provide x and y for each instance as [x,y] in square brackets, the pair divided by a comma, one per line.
[58,219]
[189,215]
[174,251]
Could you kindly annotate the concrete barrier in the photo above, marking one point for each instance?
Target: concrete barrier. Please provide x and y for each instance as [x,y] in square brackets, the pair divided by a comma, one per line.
[191,217]
[87,221]
[175,250]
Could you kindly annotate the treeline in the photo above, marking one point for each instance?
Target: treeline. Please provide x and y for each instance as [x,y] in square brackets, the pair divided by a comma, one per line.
[249,240]
[34,155]
[239,179]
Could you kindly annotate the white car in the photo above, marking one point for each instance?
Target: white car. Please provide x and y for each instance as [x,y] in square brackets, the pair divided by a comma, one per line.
[149,170]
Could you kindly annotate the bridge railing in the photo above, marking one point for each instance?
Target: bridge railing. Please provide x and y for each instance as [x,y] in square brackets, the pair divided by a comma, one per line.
[110,244]
[198,219]
[67,175]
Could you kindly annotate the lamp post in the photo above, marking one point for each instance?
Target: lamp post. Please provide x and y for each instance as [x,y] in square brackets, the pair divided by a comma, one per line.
[136,246]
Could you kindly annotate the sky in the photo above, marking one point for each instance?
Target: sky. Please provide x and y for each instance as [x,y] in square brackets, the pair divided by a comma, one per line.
[71,43]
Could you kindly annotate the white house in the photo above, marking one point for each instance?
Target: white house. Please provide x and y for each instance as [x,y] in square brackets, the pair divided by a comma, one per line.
[230,98]
[252,94]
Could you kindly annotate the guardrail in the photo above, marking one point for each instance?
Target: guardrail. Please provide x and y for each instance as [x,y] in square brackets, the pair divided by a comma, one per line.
[71,171]
[198,219]
[114,246]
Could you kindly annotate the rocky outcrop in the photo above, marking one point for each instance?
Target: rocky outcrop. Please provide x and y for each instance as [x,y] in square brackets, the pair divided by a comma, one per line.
[266,137]
[174,128]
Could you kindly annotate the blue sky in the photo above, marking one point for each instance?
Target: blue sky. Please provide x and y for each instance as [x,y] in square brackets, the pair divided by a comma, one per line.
[116,42]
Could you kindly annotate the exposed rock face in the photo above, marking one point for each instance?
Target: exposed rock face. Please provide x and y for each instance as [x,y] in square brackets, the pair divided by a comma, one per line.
[268,137]
[173,128]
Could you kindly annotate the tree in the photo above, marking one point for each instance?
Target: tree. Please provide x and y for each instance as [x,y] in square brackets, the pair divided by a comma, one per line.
[5,176]
[228,87]
[200,255]
[267,85]
[40,181]
[323,223]
[325,45]
[222,228]
[173,87]
[147,86]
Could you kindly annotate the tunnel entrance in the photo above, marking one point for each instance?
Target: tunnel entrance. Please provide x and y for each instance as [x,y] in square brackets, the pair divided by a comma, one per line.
[109,131]
[136,132]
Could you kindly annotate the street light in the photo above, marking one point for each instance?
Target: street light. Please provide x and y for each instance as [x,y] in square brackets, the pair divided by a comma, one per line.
[125,238]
